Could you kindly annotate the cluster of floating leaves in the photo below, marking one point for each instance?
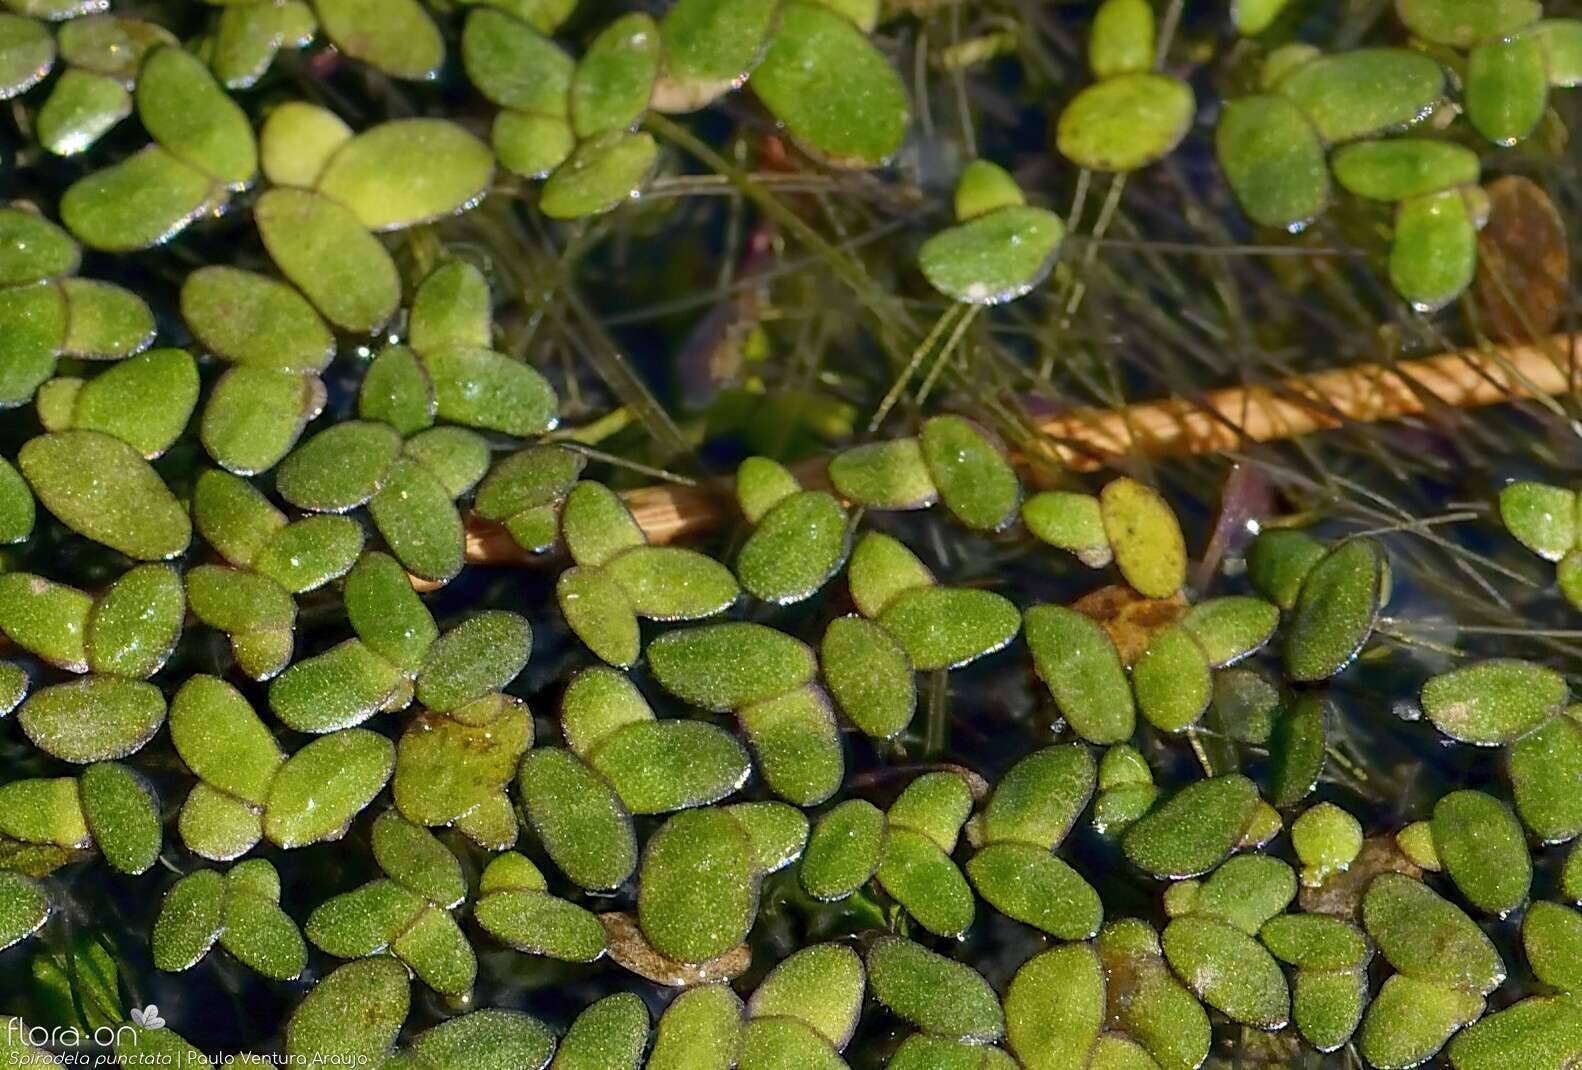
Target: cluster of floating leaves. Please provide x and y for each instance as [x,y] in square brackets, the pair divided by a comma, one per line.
[1394,130]
[654,840]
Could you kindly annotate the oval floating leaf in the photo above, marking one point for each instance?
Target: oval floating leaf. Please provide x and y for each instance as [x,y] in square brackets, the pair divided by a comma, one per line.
[104,322]
[1537,1032]
[123,814]
[482,654]
[579,818]
[353,1014]
[33,249]
[881,568]
[1507,88]
[340,468]
[1434,256]
[1127,122]
[184,109]
[396,36]
[254,417]
[1398,169]
[1297,749]
[102,489]
[777,831]
[35,321]
[1543,766]
[920,876]
[24,908]
[597,526]
[710,46]
[17,510]
[869,675]
[262,936]
[1145,536]
[252,319]
[306,554]
[490,391]
[599,175]
[616,76]
[222,740]
[1031,885]
[948,627]
[598,703]
[1194,830]
[408,171]
[488,1039]
[1552,937]
[599,611]
[609,1035]
[81,109]
[540,924]
[1410,1020]
[1229,970]
[994,258]
[515,65]
[813,51]
[145,401]
[1274,160]
[726,666]
[447,770]
[94,719]
[698,895]
[1339,601]
[1231,629]
[1463,23]
[974,479]
[673,583]
[1054,1007]
[1364,92]
[135,623]
[1172,680]
[1482,847]
[1122,38]
[821,985]
[929,991]
[798,545]
[1071,522]
[1077,660]
[414,515]
[324,785]
[297,140]
[146,199]
[323,248]
[797,744]
[339,688]
[660,766]
[218,826]
[700,1030]
[47,619]
[762,484]
[1425,936]
[884,475]
[1039,798]
[843,850]
[1543,518]
[190,920]
[1495,701]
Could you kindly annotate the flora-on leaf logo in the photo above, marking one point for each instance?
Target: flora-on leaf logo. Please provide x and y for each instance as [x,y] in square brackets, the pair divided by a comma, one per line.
[148,1017]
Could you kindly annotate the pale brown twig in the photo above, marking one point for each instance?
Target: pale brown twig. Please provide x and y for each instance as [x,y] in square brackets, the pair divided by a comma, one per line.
[1086,440]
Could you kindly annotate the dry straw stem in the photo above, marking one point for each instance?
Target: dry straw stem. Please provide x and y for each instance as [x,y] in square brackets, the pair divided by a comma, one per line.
[1086,440]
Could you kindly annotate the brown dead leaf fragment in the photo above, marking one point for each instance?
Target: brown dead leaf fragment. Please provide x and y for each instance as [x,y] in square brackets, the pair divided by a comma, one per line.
[1524,264]
[1130,619]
